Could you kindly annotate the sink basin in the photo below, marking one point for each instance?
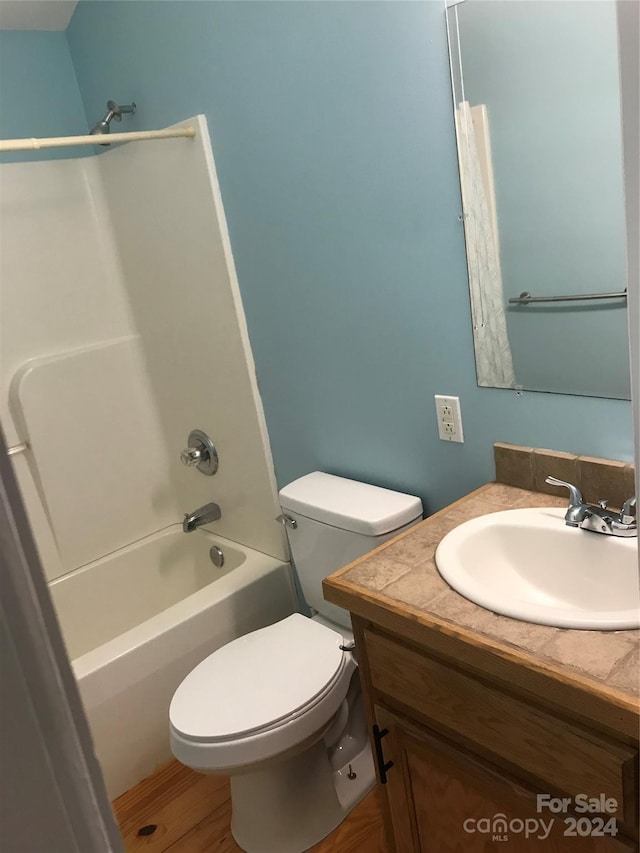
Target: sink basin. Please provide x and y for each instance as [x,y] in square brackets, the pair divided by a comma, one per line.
[527,564]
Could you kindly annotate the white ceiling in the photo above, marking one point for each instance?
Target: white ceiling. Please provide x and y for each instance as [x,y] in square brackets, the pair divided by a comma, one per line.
[36,14]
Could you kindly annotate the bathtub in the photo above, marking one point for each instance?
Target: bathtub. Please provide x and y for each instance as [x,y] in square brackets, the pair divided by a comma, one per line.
[137,621]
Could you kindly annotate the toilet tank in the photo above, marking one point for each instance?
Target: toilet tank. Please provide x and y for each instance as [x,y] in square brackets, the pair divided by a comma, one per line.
[337,521]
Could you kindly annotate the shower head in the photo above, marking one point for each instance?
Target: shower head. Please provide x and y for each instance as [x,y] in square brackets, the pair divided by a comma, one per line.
[114,112]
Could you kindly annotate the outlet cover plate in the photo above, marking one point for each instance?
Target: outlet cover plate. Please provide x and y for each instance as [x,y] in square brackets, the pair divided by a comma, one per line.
[449,418]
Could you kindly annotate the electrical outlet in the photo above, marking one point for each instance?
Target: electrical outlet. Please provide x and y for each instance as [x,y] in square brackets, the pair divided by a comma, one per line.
[449,418]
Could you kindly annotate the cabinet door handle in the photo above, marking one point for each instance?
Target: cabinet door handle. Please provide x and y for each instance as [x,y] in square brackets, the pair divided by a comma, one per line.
[378,734]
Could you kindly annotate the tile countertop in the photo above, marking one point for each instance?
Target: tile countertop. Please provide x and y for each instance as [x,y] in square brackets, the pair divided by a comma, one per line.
[401,575]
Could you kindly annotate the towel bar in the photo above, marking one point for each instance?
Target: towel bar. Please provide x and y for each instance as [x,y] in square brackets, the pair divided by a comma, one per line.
[525,297]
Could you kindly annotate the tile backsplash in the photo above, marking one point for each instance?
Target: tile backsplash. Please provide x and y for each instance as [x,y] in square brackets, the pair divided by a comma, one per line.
[597,479]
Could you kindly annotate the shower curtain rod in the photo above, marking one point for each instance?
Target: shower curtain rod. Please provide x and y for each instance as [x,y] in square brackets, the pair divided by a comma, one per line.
[33,144]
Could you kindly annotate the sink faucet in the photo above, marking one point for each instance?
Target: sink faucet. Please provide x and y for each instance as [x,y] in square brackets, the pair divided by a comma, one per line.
[597,518]
[203,515]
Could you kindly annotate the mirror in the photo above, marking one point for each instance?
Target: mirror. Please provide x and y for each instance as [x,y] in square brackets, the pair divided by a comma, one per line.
[537,111]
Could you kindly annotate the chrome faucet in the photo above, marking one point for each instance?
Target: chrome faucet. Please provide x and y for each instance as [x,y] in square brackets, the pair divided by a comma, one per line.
[203,515]
[597,518]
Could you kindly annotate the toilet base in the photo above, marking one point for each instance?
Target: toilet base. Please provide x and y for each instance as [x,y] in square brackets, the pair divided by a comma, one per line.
[294,804]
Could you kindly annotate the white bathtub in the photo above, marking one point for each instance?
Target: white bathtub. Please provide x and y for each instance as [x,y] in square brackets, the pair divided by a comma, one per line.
[136,622]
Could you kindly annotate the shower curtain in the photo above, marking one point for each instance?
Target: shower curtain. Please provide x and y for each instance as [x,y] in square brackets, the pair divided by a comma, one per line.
[494,363]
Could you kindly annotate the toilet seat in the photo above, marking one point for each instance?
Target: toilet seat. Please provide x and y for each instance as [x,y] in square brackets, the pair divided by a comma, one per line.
[260,695]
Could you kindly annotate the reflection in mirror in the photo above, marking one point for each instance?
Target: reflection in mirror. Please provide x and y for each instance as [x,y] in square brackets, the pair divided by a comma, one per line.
[537,113]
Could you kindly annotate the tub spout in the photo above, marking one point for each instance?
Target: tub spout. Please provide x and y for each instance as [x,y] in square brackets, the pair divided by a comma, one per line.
[203,515]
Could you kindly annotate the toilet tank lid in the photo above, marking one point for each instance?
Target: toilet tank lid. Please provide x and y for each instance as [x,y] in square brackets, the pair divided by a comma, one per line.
[350,505]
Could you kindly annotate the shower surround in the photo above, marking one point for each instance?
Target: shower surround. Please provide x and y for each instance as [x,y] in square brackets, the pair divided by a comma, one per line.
[121,330]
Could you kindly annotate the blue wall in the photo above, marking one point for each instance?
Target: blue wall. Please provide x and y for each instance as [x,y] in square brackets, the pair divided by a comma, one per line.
[548,73]
[39,93]
[333,135]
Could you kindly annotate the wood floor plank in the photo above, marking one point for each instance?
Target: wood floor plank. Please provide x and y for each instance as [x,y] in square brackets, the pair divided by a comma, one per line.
[174,799]
[192,814]
[212,835]
[361,831]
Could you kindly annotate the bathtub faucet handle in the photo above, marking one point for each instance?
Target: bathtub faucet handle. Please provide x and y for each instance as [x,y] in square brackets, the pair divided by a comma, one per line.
[200,453]
[190,456]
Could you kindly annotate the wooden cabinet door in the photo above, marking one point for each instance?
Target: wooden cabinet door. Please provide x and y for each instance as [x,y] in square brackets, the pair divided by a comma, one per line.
[444,800]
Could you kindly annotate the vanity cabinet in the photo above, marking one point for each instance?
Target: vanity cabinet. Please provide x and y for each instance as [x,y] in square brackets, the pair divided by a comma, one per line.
[462,759]
[442,798]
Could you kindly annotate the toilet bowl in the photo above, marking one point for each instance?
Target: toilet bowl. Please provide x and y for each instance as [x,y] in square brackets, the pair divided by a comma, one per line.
[280,710]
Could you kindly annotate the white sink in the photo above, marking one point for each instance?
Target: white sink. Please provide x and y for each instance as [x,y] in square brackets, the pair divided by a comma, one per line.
[527,564]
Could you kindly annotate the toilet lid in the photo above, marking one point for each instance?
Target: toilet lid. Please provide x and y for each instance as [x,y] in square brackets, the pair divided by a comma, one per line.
[256,680]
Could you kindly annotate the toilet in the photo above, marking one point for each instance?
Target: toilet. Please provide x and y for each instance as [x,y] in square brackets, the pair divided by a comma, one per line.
[280,710]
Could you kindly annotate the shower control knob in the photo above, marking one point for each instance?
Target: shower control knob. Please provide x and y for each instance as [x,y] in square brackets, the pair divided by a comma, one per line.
[200,453]
[191,456]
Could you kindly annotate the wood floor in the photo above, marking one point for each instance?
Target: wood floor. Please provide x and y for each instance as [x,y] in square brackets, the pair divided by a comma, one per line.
[184,812]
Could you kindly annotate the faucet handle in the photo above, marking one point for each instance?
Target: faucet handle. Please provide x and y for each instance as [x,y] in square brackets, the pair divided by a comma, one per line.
[575,495]
[191,456]
[626,516]
[200,453]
